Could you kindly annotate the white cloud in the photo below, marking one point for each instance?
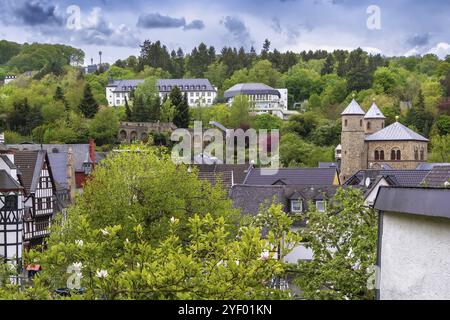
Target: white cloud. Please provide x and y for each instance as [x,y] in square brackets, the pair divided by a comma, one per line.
[442,49]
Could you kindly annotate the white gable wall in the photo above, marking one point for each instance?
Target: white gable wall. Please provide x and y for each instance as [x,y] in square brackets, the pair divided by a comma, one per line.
[415,259]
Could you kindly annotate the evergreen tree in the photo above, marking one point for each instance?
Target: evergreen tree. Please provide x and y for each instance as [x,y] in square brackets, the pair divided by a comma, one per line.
[140,112]
[59,94]
[358,76]
[181,118]
[265,49]
[88,106]
[128,113]
[418,118]
[154,105]
[328,66]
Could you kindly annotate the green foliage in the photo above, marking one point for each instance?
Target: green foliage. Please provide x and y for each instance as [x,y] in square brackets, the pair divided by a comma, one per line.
[239,113]
[163,234]
[440,149]
[267,121]
[104,127]
[344,240]
[443,125]
[296,152]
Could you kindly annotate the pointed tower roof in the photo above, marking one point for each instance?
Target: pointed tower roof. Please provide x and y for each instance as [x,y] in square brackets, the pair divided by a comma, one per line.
[353,109]
[398,132]
[374,113]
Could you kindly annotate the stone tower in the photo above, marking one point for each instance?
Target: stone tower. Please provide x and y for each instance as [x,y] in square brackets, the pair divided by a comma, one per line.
[354,156]
[373,120]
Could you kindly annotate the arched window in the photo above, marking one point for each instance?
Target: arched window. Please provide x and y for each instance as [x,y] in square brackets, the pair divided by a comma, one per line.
[416,154]
[381,155]
[393,155]
[360,123]
[368,125]
[377,155]
[422,154]
[345,122]
[399,155]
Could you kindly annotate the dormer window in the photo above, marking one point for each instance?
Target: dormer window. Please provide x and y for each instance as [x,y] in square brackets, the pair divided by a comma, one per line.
[296,206]
[321,205]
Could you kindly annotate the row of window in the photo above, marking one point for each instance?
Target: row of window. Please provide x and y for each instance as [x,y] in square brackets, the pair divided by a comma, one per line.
[297,206]
[369,125]
[396,154]
[44,203]
[45,183]
[187,87]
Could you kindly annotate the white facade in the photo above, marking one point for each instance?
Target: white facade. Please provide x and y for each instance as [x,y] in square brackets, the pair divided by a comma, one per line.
[415,257]
[9,79]
[200,93]
[11,212]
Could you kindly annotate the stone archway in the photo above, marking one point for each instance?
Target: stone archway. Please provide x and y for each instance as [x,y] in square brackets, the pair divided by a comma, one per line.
[133,136]
[123,135]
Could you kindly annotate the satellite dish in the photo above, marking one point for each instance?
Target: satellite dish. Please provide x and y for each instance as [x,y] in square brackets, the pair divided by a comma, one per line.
[367,182]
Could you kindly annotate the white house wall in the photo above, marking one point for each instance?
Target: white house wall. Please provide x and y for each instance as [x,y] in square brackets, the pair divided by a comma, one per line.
[415,257]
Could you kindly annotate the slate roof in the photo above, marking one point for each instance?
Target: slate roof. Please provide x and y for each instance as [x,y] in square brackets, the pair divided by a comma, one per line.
[229,173]
[58,162]
[429,166]
[292,176]
[353,109]
[184,85]
[249,198]
[433,202]
[79,151]
[407,178]
[374,113]
[7,161]
[7,182]
[126,85]
[29,163]
[250,89]
[437,177]
[396,132]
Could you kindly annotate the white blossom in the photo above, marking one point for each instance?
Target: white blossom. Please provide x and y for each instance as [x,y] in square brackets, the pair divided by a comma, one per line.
[173,220]
[104,232]
[79,243]
[102,274]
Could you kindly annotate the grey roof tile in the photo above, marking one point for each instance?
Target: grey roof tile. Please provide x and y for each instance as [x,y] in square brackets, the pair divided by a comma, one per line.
[292,176]
[397,132]
[249,89]
[185,85]
[353,109]
[437,177]
[7,182]
[374,113]
[406,178]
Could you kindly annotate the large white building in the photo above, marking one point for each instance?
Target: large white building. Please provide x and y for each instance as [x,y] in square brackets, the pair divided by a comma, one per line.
[262,98]
[199,92]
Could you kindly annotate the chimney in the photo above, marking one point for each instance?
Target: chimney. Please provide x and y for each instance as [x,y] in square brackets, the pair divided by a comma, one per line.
[92,61]
[92,152]
[71,174]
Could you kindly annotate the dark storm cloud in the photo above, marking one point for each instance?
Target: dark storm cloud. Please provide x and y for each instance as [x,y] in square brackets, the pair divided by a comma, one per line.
[195,25]
[156,20]
[419,39]
[238,29]
[37,13]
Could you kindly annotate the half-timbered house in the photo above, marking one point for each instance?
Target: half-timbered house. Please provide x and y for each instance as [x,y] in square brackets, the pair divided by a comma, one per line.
[11,209]
[35,175]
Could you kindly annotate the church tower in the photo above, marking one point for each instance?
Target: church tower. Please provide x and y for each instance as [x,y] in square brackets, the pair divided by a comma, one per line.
[373,120]
[352,140]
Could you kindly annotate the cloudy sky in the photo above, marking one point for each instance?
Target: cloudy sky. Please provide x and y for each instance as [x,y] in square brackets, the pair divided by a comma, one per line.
[400,27]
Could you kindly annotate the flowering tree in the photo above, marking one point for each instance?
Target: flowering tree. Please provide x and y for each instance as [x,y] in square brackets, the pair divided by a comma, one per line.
[343,239]
[145,243]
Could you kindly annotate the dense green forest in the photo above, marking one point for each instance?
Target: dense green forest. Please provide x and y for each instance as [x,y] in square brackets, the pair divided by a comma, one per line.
[61,104]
